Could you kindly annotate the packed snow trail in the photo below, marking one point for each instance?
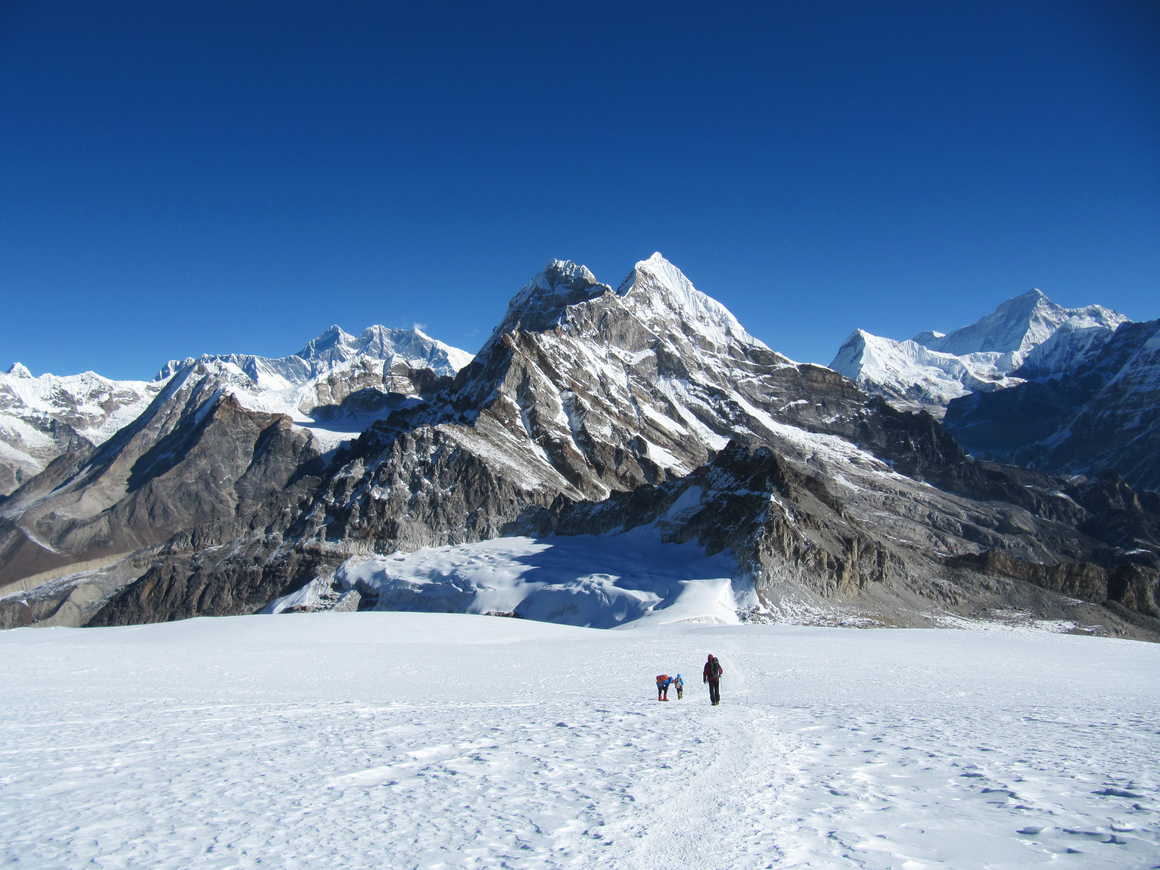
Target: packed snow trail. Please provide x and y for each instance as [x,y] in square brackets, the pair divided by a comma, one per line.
[427,740]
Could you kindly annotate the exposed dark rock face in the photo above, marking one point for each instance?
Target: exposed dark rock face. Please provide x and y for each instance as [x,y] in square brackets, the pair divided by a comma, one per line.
[1133,586]
[185,584]
[802,539]
[590,409]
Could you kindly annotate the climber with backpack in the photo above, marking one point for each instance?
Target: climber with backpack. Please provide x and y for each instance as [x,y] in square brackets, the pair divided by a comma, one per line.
[679,685]
[712,675]
[663,681]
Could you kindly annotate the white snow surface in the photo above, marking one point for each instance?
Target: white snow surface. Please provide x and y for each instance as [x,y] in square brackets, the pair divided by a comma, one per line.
[907,368]
[434,740]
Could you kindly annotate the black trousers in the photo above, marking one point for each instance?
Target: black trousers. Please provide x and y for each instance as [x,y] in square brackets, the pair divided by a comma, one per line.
[715,691]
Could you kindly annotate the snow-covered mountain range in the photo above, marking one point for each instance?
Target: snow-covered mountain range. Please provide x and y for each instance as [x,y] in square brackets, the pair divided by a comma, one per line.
[637,417]
[1063,390]
[336,385]
[1026,336]
[46,416]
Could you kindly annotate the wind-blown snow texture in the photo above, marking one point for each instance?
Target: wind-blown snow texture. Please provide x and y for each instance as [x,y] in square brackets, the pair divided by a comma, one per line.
[420,740]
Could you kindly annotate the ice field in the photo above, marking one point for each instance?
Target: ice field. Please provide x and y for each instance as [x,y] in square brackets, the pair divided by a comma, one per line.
[394,740]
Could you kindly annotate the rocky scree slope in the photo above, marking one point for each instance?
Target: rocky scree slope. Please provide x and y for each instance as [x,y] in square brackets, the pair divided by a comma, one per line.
[592,408]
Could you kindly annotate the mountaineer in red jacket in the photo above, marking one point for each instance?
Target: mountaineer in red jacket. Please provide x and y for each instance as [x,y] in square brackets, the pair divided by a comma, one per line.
[712,675]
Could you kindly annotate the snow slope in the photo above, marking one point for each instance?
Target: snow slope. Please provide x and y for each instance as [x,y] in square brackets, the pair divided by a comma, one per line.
[426,740]
[910,372]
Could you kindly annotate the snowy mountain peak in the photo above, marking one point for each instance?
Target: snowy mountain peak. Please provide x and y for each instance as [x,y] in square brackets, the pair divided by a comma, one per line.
[19,370]
[541,302]
[457,358]
[1034,294]
[564,273]
[332,338]
[298,382]
[661,290]
[1018,325]
[655,292]
[1025,336]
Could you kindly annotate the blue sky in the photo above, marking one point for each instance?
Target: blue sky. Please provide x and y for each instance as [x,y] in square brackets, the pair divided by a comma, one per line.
[236,177]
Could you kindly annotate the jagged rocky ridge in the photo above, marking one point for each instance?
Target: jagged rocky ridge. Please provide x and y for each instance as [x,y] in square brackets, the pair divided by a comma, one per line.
[593,409]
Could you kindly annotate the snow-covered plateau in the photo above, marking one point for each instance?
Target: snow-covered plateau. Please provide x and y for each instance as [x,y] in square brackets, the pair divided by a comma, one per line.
[440,740]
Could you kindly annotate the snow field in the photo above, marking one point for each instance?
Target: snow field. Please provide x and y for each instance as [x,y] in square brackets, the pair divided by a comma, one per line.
[598,581]
[438,740]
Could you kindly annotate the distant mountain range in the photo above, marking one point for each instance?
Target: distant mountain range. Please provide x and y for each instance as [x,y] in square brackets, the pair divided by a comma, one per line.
[44,417]
[1065,390]
[643,415]
[1100,413]
[928,371]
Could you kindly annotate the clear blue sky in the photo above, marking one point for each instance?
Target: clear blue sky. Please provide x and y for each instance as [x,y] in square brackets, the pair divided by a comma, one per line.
[212,177]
